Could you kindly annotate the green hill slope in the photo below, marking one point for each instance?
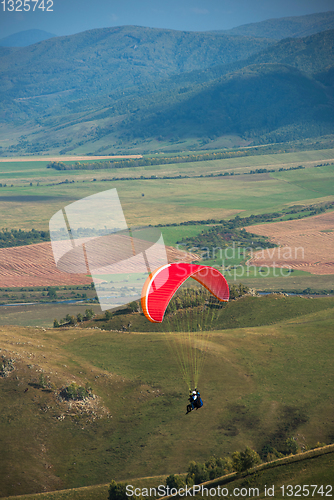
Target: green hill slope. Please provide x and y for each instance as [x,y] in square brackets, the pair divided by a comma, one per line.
[308,474]
[275,94]
[241,313]
[310,468]
[254,101]
[260,386]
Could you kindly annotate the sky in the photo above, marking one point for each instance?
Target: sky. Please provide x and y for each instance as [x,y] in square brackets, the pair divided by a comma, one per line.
[73,16]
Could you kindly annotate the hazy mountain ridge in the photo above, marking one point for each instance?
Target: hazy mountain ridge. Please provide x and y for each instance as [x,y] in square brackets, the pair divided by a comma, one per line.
[310,54]
[296,26]
[132,82]
[122,57]
[24,38]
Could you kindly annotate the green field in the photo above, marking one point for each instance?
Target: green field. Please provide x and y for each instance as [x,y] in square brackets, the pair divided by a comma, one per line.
[41,315]
[260,385]
[168,200]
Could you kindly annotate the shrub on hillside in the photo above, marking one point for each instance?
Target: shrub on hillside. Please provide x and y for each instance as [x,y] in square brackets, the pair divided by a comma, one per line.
[269,453]
[291,446]
[133,306]
[75,392]
[214,467]
[244,460]
[176,482]
[6,366]
[117,491]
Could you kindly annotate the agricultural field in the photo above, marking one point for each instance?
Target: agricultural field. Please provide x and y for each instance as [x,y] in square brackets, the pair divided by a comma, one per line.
[168,200]
[34,266]
[135,427]
[305,244]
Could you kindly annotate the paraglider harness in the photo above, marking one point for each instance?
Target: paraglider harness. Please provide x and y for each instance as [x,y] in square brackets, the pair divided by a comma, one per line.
[195,401]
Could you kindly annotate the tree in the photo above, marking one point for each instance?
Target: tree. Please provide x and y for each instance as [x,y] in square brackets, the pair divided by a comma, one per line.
[79,318]
[108,315]
[52,293]
[56,323]
[177,482]
[70,319]
[117,491]
[269,453]
[244,460]
[133,306]
[291,446]
[89,313]
[217,467]
[197,473]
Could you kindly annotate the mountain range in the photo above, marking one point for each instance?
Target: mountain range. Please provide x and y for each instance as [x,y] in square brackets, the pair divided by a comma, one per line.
[25,38]
[113,87]
[287,27]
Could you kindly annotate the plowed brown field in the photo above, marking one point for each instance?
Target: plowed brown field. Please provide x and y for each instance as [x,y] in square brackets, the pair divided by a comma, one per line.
[304,244]
[34,265]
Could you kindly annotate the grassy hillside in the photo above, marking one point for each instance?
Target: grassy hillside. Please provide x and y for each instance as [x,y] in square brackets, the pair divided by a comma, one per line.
[315,470]
[242,313]
[310,468]
[260,385]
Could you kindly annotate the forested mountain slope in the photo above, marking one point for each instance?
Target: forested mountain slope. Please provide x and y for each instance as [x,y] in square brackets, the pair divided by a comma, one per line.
[284,27]
[132,83]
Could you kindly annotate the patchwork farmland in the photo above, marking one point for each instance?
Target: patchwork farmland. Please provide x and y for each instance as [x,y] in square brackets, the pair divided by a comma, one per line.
[304,244]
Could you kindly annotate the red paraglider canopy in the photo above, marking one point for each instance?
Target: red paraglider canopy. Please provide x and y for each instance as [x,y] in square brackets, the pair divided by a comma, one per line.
[162,284]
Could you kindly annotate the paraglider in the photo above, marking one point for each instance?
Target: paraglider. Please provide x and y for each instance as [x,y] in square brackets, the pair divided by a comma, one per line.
[195,401]
[188,340]
[162,284]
